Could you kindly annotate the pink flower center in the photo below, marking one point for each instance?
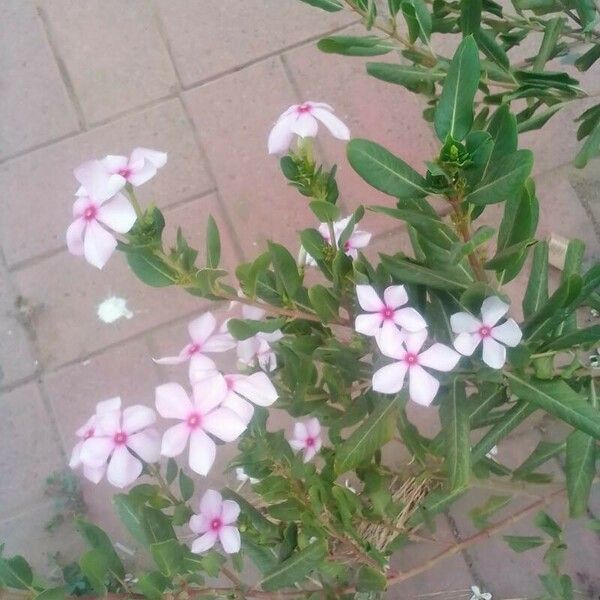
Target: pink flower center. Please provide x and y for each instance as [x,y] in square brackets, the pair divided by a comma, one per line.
[88,434]
[230,382]
[120,438]
[125,172]
[194,420]
[347,246]
[387,313]
[485,331]
[216,524]
[411,359]
[310,441]
[193,349]
[303,108]
[89,214]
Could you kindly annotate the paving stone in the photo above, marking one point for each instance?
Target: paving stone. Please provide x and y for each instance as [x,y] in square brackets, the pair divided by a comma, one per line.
[28,70]
[585,183]
[209,37]
[17,359]
[65,306]
[233,116]
[29,451]
[123,63]
[39,187]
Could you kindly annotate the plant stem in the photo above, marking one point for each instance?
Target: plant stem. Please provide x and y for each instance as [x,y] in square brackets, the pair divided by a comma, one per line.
[133,200]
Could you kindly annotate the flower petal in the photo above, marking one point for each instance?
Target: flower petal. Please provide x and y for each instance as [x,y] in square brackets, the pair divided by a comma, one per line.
[358,239]
[224,424]
[202,452]
[305,125]
[220,342]
[281,135]
[138,417]
[368,323]
[300,431]
[463,322]
[368,298]
[410,319]
[257,388]
[230,511]
[247,349]
[389,379]
[97,181]
[414,340]
[199,523]
[201,328]
[508,333]
[211,504]
[439,357]
[492,310]
[313,427]
[75,233]
[466,343]
[252,312]
[118,214]
[296,444]
[114,163]
[98,244]
[395,296]
[494,354]
[309,453]
[123,468]
[209,392]
[422,386]
[146,444]
[173,360]
[108,405]
[242,408]
[95,451]
[75,460]
[172,401]
[142,174]
[94,474]
[200,368]
[230,539]
[175,440]
[336,127]
[204,542]
[391,341]
[157,158]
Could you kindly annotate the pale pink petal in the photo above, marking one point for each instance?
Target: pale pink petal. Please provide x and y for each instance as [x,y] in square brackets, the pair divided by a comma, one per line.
[257,388]
[492,310]
[368,298]
[75,460]
[410,319]
[172,401]
[352,253]
[141,175]
[108,422]
[200,368]
[114,163]
[239,406]
[108,405]
[146,444]
[391,341]
[336,127]
[369,323]
[281,135]
[75,233]
[439,357]
[209,392]
[389,379]
[508,333]
[224,424]
[81,203]
[319,105]
[267,359]
[313,427]
[118,214]
[175,440]
[324,231]
[199,523]
[174,360]
[87,426]
[414,340]
[202,452]
[230,539]
[252,312]
[318,444]
[211,504]
[309,453]
[247,349]
[359,239]
[138,417]
[201,328]
[463,322]
[466,343]
[204,542]
[297,445]
[230,511]
[123,468]
[422,386]
[395,296]
[97,181]
[305,125]
[494,354]
[94,474]
[98,244]
[157,158]
[220,342]
[300,431]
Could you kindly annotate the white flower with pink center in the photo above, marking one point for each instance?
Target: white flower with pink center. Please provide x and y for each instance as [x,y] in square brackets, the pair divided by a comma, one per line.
[120,440]
[307,438]
[303,120]
[472,332]
[200,415]
[87,431]
[204,339]
[98,206]
[386,314]
[410,360]
[257,349]
[216,521]
[140,167]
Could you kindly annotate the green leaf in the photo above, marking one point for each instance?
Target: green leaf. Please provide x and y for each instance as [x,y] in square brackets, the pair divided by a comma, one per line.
[454,112]
[481,514]
[327,5]
[213,244]
[372,434]
[580,469]
[454,418]
[552,31]
[470,16]
[384,171]
[417,19]
[150,269]
[522,543]
[168,556]
[172,470]
[590,148]
[55,593]
[491,48]
[587,59]
[324,211]
[296,567]
[582,337]
[152,585]
[542,453]
[186,486]
[370,580]
[548,525]
[434,503]
[406,271]
[503,129]
[509,257]
[94,567]
[557,398]
[479,237]
[130,514]
[242,329]
[16,573]
[536,294]
[267,528]
[285,269]
[98,540]
[324,302]
[370,45]
[413,78]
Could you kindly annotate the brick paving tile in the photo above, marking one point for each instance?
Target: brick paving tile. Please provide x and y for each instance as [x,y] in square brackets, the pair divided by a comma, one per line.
[123,63]
[585,184]
[236,32]
[29,451]
[39,187]
[28,70]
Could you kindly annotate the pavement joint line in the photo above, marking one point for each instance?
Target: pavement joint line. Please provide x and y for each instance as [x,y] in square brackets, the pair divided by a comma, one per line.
[62,68]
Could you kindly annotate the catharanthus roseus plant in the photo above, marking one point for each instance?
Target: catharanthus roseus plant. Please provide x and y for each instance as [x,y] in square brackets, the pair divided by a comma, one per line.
[344,344]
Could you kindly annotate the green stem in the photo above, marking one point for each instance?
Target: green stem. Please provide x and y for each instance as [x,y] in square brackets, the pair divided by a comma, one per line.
[133,200]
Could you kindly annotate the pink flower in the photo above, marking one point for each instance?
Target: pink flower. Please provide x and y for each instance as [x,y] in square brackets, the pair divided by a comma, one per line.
[386,313]
[472,331]
[138,168]
[98,203]
[307,437]
[245,390]
[204,340]
[215,522]
[406,349]
[118,434]
[303,120]
[200,415]
[257,349]
[357,240]
[87,431]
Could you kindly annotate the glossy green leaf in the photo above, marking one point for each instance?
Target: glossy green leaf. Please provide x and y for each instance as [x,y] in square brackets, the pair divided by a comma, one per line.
[580,469]
[98,540]
[324,302]
[53,593]
[491,48]
[470,16]
[370,580]
[571,266]
[536,294]
[213,244]
[406,271]
[327,5]
[16,573]
[503,129]
[414,78]
[355,46]
[150,269]
[552,31]
[324,211]
[587,59]
[263,525]
[588,337]
[186,486]
[522,543]
[509,257]
[152,585]
[434,503]
[168,556]
[286,270]
[417,19]
[480,514]
[94,567]
[541,454]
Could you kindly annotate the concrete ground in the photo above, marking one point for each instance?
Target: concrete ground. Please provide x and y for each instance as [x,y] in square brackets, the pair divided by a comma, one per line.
[202,80]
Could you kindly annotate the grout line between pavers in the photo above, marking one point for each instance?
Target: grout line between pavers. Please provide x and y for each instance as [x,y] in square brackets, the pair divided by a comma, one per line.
[62,68]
